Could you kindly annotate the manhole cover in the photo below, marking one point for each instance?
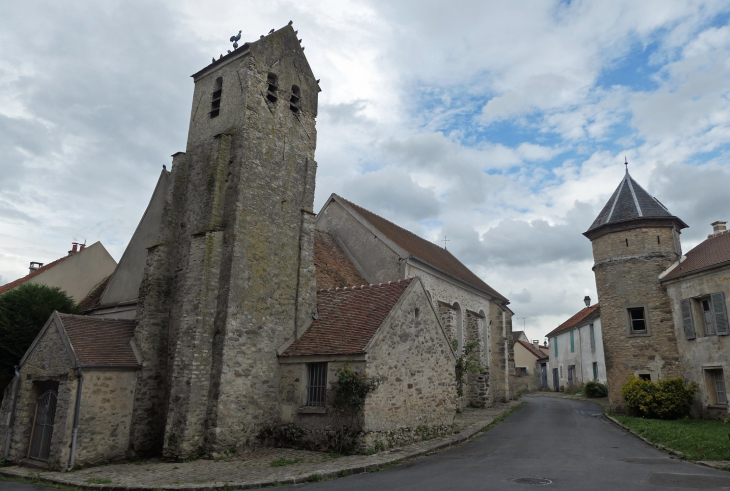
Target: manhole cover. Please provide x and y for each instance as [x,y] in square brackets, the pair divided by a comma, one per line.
[532,481]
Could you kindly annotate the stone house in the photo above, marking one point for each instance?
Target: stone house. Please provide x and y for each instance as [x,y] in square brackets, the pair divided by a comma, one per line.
[531,363]
[71,400]
[227,276]
[635,238]
[576,349]
[699,288]
[390,331]
[77,273]
[470,309]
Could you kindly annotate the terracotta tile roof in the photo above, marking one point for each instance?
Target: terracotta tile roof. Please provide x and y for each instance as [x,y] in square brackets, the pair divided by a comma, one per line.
[711,252]
[426,251]
[584,315]
[529,347]
[348,319]
[9,286]
[334,269]
[92,299]
[100,342]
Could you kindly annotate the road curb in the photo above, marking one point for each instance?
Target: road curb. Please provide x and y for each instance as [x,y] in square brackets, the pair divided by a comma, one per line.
[469,433]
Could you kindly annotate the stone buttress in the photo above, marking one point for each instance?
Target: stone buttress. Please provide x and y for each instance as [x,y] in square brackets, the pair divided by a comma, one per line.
[231,277]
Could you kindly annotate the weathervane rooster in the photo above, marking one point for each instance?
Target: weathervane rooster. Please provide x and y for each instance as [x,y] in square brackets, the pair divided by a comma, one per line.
[234,40]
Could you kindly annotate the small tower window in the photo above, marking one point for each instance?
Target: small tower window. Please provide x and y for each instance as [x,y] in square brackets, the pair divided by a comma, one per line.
[295,100]
[215,105]
[627,242]
[273,88]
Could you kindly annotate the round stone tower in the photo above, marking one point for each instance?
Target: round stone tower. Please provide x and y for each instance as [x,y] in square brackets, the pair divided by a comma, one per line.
[635,238]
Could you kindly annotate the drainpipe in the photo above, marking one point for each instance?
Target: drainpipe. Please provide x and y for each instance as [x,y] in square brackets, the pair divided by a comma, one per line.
[12,412]
[76,418]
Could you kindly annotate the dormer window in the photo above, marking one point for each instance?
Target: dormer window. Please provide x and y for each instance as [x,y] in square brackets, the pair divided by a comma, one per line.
[215,105]
[295,100]
[272,92]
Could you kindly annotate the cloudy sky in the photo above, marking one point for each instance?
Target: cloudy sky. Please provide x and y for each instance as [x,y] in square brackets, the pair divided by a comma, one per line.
[502,125]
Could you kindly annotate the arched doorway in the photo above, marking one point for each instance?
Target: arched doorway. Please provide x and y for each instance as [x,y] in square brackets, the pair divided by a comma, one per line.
[40,437]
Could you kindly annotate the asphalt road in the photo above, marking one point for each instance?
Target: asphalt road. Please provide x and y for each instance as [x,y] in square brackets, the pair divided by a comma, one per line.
[566,441]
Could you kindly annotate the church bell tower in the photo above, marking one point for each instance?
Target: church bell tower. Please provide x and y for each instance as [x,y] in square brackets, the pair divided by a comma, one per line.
[634,239]
[231,276]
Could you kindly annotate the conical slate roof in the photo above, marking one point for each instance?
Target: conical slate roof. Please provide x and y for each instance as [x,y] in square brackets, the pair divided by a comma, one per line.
[630,202]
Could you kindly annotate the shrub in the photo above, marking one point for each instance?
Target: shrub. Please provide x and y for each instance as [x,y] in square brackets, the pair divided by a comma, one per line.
[595,389]
[669,399]
[466,362]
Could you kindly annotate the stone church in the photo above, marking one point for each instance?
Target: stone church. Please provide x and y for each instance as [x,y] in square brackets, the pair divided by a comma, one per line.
[234,303]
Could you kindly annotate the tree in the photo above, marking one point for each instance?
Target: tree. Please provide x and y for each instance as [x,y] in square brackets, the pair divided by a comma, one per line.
[23,313]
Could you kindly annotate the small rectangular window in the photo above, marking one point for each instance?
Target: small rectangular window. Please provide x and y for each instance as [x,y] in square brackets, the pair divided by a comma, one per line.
[572,343]
[637,319]
[317,384]
[593,337]
[645,376]
[555,341]
[715,379]
[561,371]
[595,370]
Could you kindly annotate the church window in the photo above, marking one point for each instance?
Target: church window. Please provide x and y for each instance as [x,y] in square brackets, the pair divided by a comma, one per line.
[317,384]
[215,105]
[637,318]
[272,92]
[417,313]
[595,370]
[295,99]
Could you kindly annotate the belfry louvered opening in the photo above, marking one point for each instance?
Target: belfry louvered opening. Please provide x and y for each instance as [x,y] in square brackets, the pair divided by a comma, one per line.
[317,384]
[215,105]
[272,91]
[295,99]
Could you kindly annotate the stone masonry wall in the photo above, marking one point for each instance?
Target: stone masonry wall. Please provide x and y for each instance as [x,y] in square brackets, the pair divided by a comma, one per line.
[628,277]
[417,392]
[413,357]
[234,266]
[49,362]
[706,351]
[106,413]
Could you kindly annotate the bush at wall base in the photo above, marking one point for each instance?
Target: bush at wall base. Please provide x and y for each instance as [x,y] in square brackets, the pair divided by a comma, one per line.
[667,399]
[595,389]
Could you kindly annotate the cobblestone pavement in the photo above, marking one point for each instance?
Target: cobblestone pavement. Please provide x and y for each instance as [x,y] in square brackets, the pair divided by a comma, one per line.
[254,468]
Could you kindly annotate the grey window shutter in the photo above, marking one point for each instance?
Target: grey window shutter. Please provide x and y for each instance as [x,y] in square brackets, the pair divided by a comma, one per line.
[718,308]
[689,328]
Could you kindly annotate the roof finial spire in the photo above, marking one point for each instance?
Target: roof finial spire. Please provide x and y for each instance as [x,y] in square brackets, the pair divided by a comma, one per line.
[626,163]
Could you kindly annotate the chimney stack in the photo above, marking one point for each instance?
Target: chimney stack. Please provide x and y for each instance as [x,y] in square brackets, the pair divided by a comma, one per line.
[536,344]
[587,301]
[35,266]
[74,247]
[82,246]
[718,228]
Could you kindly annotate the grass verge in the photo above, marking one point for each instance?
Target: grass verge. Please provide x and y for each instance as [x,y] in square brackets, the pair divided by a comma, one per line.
[40,483]
[697,439]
